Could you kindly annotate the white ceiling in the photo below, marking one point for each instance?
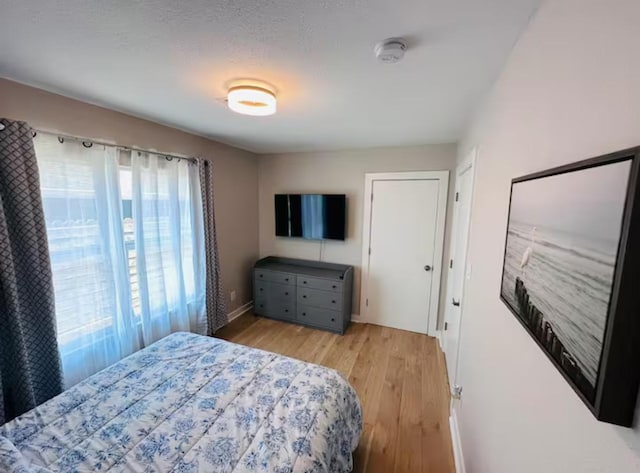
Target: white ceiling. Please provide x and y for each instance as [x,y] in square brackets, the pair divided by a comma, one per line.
[170,61]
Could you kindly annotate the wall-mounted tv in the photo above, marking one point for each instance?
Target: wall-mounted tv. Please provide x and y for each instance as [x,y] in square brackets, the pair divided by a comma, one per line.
[311,216]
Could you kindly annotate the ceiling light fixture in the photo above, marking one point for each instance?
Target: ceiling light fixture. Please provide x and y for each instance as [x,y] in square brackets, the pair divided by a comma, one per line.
[252,99]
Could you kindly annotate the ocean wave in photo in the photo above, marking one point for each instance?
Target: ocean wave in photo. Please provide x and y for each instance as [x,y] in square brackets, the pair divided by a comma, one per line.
[569,279]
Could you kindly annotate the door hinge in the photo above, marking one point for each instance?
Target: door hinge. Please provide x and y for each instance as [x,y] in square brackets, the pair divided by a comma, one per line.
[450,264]
[446,325]
[457,196]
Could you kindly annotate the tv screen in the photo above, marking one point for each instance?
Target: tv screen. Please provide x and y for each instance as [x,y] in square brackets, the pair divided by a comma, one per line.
[311,216]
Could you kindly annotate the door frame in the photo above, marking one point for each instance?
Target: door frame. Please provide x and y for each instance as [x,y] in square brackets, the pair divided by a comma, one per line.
[469,162]
[443,193]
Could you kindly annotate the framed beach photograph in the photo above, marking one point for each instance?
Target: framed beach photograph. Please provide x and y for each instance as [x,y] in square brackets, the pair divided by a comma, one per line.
[570,275]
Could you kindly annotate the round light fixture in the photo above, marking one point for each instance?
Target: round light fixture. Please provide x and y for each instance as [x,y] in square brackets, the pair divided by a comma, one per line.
[251,100]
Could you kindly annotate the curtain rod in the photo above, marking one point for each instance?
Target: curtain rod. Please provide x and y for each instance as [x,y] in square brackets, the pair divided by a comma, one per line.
[89,142]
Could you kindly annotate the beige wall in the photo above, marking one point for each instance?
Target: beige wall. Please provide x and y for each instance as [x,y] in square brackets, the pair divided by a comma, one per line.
[235,179]
[570,91]
[340,172]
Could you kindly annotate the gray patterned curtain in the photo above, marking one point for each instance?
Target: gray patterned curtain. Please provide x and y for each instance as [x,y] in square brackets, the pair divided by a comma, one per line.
[216,307]
[30,370]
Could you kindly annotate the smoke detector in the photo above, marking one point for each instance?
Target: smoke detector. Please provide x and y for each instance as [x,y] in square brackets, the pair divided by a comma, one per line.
[390,50]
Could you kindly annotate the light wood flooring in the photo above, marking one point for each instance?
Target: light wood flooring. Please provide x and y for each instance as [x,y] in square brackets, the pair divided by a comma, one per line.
[399,376]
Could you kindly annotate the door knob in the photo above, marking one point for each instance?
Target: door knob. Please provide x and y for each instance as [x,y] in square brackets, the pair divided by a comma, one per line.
[427,267]
[455,302]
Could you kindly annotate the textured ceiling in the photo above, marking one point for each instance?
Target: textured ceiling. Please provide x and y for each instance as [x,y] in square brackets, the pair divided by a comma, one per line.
[170,61]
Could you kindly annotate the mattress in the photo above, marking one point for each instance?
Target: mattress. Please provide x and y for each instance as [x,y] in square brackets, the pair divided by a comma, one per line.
[192,404]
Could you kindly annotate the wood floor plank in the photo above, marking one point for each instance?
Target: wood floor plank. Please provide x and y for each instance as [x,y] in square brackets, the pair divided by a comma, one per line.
[319,344]
[383,446]
[250,336]
[345,350]
[399,377]
[367,378]
[437,452]
[280,341]
[409,439]
[239,325]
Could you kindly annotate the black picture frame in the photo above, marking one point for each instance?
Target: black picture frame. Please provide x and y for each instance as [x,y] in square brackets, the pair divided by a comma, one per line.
[613,397]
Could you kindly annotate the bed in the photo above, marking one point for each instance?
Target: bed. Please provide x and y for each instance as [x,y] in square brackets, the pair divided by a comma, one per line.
[190,403]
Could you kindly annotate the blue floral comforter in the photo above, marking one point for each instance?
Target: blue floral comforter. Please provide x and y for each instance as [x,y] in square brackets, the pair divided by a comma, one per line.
[192,404]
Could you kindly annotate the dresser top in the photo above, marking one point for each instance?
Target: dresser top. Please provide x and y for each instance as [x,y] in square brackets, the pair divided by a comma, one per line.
[299,266]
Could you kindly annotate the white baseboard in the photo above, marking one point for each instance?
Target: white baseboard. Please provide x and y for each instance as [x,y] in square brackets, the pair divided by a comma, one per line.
[455,442]
[239,311]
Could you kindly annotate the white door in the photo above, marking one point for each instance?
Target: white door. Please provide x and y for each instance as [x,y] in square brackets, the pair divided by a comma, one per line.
[458,264]
[405,242]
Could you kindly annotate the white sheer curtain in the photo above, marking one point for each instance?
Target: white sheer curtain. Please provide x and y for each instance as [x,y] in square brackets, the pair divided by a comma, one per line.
[169,238]
[80,194]
[127,253]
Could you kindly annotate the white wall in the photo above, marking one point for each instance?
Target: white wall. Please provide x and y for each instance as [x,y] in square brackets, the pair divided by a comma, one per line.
[340,172]
[571,90]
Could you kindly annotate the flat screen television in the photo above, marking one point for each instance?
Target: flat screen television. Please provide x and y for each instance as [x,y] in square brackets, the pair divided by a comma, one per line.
[311,216]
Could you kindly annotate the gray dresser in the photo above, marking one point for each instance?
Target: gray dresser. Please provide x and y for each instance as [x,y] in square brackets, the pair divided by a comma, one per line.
[305,292]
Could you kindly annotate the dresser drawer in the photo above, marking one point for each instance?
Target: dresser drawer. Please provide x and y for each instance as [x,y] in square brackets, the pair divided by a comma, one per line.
[275,276]
[318,283]
[260,306]
[275,307]
[260,289]
[316,298]
[324,318]
[275,291]
[282,309]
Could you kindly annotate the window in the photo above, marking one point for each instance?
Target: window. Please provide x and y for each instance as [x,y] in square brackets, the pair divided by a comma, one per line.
[125,236]
[129,236]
